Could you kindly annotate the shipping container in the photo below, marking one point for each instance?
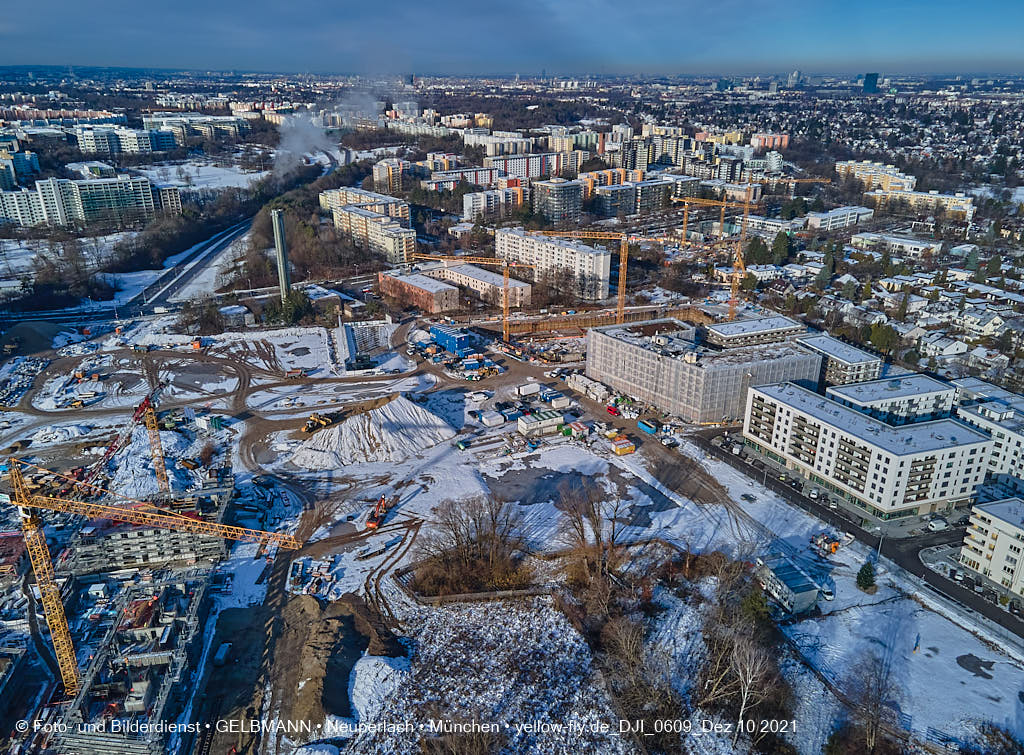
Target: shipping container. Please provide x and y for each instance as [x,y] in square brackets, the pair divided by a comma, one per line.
[649,426]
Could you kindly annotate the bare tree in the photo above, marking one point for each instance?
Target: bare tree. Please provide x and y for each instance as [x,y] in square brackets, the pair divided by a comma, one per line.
[753,668]
[872,689]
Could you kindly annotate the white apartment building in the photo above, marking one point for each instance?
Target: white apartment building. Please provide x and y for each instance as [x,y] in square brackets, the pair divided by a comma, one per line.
[899,245]
[898,400]
[486,284]
[589,266]
[1003,418]
[59,201]
[888,472]
[538,164]
[840,217]
[994,543]
[843,363]
[376,232]
[497,201]
[106,140]
[958,206]
[876,175]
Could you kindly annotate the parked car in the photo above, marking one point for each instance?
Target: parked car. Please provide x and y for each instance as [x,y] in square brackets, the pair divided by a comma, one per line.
[813,495]
[748,498]
[937,525]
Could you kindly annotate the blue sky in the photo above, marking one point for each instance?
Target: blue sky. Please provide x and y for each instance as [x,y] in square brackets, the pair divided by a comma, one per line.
[487,36]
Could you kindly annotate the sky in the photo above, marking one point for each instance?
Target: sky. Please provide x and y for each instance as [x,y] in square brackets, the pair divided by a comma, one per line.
[570,37]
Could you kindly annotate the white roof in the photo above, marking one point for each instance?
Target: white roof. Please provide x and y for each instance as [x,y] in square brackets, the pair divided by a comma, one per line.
[427,284]
[1009,510]
[905,440]
[839,350]
[890,388]
[747,327]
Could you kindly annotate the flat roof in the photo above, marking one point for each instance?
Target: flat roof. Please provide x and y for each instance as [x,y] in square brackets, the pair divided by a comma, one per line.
[885,389]
[486,276]
[748,327]
[1009,510]
[839,350]
[553,241]
[923,437]
[422,281]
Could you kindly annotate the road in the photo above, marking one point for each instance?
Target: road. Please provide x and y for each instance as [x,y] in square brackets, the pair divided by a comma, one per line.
[904,552]
[156,295]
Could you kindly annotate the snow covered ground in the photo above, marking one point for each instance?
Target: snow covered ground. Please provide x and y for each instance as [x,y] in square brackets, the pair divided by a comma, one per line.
[394,432]
[215,273]
[200,174]
[18,256]
[507,664]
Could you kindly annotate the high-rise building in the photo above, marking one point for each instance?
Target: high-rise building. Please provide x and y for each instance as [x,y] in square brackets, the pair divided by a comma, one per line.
[58,201]
[583,269]
[870,83]
[558,200]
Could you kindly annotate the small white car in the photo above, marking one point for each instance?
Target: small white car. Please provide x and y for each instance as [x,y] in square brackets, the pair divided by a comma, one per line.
[936,525]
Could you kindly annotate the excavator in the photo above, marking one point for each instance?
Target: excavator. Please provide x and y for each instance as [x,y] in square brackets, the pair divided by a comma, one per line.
[376,517]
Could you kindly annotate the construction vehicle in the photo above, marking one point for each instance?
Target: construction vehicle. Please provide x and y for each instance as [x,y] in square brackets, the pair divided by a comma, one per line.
[504,264]
[143,513]
[295,374]
[318,421]
[380,510]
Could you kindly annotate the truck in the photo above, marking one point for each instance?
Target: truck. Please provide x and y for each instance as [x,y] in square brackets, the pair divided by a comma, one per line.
[160,310]
[222,654]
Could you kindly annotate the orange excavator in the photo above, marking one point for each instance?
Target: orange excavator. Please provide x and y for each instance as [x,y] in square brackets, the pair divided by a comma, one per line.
[376,517]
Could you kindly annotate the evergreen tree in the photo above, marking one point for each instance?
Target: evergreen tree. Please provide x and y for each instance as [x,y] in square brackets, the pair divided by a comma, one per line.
[781,248]
[866,576]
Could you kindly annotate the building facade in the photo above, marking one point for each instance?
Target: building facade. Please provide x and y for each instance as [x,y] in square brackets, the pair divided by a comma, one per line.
[487,285]
[558,200]
[898,400]
[588,268]
[993,545]
[843,363]
[659,362]
[426,294]
[889,472]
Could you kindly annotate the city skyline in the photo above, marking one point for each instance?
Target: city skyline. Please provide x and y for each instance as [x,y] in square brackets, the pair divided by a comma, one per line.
[662,37]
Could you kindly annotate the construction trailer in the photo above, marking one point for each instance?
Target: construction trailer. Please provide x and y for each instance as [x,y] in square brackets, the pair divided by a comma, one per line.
[787,584]
[452,340]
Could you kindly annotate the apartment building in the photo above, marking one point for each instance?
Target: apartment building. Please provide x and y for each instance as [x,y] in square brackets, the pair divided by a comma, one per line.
[898,400]
[495,145]
[888,472]
[379,203]
[769,141]
[958,206]
[492,202]
[1000,413]
[489,286]
[185,125]
[427,294]
[592,179]
[58,201]
[558,200]
[842,363]
[538,165]
[993,545]
[449,179]
[896,245]
[660,362]
[587,266]
[840,217]
[376,232]
[752,332]
[876,175]
[390,173]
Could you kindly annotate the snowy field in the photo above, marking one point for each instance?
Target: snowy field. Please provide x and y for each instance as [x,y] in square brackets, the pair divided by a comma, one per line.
[302,397]
[18,256]
[200,174]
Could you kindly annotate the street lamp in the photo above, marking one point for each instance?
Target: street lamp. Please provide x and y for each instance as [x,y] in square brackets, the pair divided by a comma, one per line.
[881,538]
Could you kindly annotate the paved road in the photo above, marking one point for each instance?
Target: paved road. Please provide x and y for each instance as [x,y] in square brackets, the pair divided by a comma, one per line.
[902,551]
[157,294]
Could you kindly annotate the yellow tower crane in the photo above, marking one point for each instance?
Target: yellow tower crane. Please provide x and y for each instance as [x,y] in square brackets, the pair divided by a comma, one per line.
[503,264]
[720,203]
[138,512]
[624,242]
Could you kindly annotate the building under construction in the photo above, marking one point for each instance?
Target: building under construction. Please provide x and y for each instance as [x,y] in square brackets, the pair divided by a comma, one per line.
[136,680]
[662,363]
[104,546]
